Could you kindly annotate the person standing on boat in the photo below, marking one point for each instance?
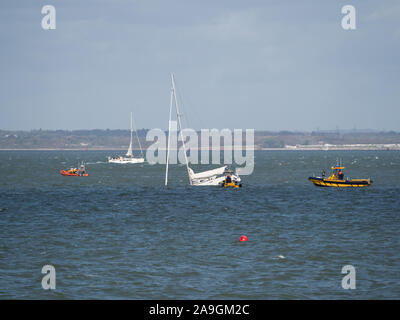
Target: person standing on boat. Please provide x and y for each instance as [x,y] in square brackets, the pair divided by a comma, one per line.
[340,175]
[323,173]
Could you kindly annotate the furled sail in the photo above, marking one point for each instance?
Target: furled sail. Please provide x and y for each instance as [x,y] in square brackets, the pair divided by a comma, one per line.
[129,153]
[206,174]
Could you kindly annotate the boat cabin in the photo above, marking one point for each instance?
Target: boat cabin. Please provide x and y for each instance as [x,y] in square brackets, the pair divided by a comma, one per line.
[337,173]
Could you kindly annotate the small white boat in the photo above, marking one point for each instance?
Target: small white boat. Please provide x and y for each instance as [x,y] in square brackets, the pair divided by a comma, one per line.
[214,177]
[123,160]
[129,157]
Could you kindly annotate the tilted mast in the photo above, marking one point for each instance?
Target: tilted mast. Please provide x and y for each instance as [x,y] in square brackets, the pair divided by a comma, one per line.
[169,136]
[174,98]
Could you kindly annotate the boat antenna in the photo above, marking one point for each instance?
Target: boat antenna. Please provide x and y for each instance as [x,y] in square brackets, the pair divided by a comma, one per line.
[131,125]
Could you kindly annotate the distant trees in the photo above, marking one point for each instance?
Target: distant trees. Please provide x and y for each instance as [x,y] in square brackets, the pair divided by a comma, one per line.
[119,139]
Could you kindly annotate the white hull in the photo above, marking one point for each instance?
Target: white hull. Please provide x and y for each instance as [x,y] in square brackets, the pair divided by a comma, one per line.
[126,160]
[213,181]
[129,158]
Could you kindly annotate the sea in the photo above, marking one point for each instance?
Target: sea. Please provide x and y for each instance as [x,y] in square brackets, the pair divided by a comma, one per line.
[120,233]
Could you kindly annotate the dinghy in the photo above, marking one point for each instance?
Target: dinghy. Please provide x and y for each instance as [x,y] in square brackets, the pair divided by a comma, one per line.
[75,172]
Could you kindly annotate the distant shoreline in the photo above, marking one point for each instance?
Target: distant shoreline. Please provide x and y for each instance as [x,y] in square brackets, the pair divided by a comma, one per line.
[118,140]
[255,149]
[62,149]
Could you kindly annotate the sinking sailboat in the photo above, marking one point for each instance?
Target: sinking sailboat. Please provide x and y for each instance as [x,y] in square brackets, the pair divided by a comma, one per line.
[214,177]
[129,157]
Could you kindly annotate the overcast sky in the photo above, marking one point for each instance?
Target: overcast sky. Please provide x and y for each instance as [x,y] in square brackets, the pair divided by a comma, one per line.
[271,65]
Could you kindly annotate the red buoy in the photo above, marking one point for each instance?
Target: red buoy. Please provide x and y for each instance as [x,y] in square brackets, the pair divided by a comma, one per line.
[243,238]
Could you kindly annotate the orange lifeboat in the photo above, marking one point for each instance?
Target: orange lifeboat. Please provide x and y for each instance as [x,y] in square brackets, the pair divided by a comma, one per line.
[74,172]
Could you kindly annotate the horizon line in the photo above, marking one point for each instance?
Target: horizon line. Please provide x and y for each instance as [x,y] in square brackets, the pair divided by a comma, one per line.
[353,130]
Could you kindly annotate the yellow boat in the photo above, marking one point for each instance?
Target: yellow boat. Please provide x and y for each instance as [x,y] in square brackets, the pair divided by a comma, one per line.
[230,185]
[231,181]
[336,179]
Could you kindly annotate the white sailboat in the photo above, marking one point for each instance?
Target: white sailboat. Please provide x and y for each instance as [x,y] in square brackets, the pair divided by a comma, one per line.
[129,157]
[214,177]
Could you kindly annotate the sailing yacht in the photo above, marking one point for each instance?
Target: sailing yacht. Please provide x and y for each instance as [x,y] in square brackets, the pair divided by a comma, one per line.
[214,177]
[129,158]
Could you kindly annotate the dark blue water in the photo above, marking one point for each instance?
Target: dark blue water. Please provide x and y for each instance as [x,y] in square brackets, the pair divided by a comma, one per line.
[119,233]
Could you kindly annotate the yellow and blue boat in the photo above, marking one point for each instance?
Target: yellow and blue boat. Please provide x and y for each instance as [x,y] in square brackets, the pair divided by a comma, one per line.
[231,181]
[336,179]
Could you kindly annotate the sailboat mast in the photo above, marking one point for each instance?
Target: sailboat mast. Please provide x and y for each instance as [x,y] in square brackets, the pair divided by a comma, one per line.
[137,135]
[131,126]
[129,153]
[180,126]
[169,137]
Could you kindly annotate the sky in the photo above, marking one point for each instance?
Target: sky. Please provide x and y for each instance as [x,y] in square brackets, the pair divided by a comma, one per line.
[264,65]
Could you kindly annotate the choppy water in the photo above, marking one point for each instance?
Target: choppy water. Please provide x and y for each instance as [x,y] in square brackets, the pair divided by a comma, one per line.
[119,233]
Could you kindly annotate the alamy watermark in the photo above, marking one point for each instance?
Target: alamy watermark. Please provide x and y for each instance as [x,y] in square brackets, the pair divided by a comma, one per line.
[49,20]
[349,20]
[349,280]
[49,280]
[237,147]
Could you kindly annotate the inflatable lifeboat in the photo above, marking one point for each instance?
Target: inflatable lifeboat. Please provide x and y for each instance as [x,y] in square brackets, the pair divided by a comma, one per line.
[75,172]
